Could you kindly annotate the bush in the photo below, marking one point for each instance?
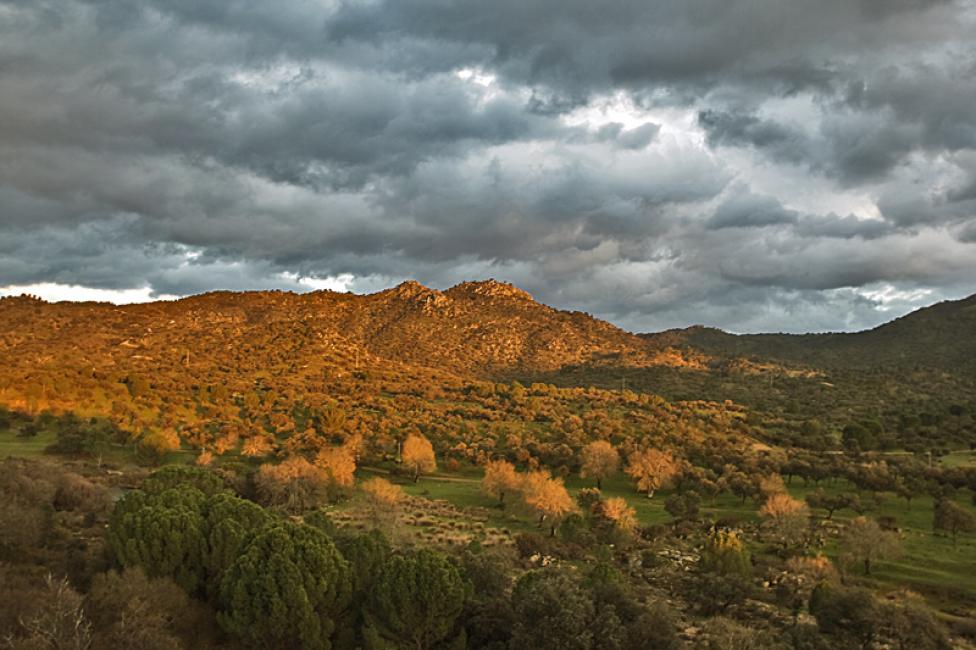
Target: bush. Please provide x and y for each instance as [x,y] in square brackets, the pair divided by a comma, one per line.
[75,492]
[652,532]
[551,611]
[851,612]
[965,627]
[529,544]
[650,559]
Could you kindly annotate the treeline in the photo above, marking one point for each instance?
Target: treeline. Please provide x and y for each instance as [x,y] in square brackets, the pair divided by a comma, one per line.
[186,560]
[323,471]
[466,421]
[189,563]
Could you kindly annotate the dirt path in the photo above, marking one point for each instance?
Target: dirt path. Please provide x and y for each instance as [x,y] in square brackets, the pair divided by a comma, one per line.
[429,477]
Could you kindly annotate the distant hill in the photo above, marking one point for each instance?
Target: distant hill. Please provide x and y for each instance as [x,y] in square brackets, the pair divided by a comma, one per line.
[918,367]
[476,328]
[942,336]
[61,354]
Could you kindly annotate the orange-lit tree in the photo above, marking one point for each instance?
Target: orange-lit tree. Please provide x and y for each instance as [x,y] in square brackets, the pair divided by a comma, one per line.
[547,498]
[383,500]
[599,461]
[339,464]
[651,469]
[617,511]
[786,520]
[257,446]
[500,479]
[418,455]
[294,485]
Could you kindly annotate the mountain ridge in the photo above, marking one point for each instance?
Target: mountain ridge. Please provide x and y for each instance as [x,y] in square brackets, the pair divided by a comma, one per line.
[68,355]
[939,335]
[502,328]
[473,327]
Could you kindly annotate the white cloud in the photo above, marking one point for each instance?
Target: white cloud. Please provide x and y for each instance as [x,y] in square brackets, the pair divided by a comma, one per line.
[54,292]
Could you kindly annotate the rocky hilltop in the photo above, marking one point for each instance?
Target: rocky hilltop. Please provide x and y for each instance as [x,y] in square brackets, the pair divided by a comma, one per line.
[482,330]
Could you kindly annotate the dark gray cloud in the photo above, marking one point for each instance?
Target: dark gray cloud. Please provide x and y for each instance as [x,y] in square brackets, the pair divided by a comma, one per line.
[754,165]
[739,129]
[750,211]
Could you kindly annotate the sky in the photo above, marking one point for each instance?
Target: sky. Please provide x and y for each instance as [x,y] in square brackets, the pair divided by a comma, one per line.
[756,165]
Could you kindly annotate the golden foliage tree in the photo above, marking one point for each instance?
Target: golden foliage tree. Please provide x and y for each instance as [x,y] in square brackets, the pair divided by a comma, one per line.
[500,479]
[159,443]
[786,519]
[599,461]
[652,469]
[781,504]
[295,485]
[380,491]
[724,553]
[770,485]
[418,455]
[257,446]
[339,464]
[383,500]
[620,513]
[546,497]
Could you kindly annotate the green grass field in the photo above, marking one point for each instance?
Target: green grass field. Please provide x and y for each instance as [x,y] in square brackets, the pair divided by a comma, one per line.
[14,446]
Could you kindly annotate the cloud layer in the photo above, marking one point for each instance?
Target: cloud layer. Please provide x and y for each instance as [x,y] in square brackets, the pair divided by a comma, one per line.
[759,165]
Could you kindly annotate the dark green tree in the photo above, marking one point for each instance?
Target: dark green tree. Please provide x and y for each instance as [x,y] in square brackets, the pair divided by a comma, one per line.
[637,626]
[228,522]
[818,499]
[416,599]
[164,534]
[552,612]
[654,628]
[487,616]
[285,589]
[77,437]
[850,612]
[205,480]
[366,554]
[683,506]
[856,436]
[724,572]
[320,519]
[913,627]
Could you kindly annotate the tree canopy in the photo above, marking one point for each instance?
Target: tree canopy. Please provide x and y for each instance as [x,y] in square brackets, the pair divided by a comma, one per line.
[416,599]
[285,589]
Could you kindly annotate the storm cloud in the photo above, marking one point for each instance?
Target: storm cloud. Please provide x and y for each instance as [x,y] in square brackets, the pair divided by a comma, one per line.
[751,165]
